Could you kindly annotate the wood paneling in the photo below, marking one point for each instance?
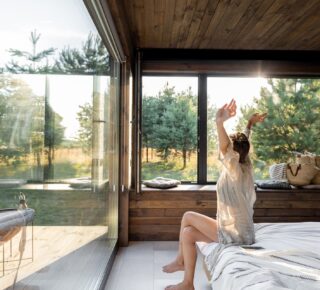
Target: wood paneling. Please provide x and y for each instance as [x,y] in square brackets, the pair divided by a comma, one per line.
[224,24]
[121,22]
[156,214]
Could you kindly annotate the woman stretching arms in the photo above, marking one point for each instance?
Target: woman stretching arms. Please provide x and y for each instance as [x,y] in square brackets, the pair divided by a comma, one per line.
[235,195]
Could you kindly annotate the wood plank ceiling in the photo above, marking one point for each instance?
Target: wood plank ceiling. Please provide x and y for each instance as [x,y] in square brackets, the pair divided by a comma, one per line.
[224,24]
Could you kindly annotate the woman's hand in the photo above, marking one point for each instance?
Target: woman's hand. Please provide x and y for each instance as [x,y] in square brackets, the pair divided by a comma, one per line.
[226,112]
[257,118]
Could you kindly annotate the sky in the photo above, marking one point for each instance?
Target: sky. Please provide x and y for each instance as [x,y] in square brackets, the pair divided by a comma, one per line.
[61,23]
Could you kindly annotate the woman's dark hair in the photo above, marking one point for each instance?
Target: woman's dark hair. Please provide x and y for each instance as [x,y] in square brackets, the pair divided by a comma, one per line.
[241,145]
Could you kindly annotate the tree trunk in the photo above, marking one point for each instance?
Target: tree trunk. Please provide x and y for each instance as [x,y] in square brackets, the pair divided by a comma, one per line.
[184,155]
[48,133]
[147,154]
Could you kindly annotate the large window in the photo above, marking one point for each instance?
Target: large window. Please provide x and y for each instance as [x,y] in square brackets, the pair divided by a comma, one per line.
[292,125]
[59,143]
[169,127]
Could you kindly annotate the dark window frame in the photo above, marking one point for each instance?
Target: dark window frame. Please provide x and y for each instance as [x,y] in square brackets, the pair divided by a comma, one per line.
[202,165]
[222,63]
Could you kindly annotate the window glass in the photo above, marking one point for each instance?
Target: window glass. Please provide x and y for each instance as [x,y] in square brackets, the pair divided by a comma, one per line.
[59,140]
[169,127]
[292,124]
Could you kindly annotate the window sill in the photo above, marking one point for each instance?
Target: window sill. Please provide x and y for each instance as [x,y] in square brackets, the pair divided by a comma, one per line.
[212,188]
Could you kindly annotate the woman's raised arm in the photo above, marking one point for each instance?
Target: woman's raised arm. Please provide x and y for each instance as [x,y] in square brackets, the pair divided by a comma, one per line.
[224,113]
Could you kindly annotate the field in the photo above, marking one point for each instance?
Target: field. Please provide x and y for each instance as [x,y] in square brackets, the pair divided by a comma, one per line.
[173,167]
[56,204]
[68,163]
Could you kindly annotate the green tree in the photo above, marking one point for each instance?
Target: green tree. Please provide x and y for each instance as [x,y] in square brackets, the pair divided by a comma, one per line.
[30,62]
[179,125]
[15,119]
[84,116]
[92,59]
[35,62]
[22,123]
[293,122]
[153,109]
[149,120]
[169,123]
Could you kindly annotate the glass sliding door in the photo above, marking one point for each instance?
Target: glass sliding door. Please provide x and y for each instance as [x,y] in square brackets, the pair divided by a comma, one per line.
[59,146]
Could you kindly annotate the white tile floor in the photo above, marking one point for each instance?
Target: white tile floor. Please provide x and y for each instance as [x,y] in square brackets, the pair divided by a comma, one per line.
[139,267]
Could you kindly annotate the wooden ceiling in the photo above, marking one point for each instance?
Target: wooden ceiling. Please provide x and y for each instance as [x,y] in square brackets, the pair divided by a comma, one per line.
[222,24]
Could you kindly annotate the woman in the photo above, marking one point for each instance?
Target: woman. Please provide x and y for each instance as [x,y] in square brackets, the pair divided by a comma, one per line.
[235,194]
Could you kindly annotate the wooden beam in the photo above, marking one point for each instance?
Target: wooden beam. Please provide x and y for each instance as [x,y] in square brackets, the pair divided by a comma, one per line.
[120,17]
[125,153]
[234,68]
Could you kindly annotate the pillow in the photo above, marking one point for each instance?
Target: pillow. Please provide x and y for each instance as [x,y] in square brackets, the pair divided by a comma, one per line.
[161,182]
[273,184]
[278,171]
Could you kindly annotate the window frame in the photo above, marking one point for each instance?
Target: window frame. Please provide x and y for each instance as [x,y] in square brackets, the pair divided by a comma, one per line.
[173,74]
[202,166]
[217,63]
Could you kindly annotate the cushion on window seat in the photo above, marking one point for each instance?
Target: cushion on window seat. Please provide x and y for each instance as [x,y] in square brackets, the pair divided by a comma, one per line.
[273,184]
[161,182]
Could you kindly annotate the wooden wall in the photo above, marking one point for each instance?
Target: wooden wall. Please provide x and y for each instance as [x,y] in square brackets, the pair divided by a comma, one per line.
[156,214]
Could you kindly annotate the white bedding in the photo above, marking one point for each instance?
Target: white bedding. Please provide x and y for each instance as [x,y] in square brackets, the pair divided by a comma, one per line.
[290,259]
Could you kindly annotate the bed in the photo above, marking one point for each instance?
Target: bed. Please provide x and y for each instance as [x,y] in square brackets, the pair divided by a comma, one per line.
[285,256]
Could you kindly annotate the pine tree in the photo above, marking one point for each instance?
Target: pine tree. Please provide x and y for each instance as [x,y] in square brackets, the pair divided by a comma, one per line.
[169,123]
[92,59]
[180,125]
[84,116]
[149,120]
[293,122]
[32,62]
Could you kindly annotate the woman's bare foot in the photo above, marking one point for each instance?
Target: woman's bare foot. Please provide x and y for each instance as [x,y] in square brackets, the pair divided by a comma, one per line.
[173,267]
[181,286]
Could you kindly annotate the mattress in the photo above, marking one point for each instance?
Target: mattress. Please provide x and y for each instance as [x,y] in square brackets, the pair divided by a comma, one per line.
[285,256]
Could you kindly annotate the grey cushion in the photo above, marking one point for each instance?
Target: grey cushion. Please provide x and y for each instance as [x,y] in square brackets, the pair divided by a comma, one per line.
[10,218]
[273,184]
[161,182]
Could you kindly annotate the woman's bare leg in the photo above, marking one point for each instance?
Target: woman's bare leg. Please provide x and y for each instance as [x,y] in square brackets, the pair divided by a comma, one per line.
[204,224]
[189,238]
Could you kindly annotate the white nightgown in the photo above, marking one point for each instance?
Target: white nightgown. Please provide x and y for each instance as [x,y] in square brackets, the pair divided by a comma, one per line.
[236,197]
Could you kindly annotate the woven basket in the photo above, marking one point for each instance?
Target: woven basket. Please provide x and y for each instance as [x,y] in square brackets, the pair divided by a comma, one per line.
[301,174]
[316,179]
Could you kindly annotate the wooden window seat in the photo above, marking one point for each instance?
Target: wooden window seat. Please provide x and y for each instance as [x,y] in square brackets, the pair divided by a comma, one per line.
[155,214]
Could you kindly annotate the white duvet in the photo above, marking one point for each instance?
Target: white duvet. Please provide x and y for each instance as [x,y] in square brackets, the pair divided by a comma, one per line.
[289,259]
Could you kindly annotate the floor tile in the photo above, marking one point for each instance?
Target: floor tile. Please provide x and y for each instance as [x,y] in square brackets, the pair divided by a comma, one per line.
[139,267]
[164,257]
[138,250]
[166,246]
